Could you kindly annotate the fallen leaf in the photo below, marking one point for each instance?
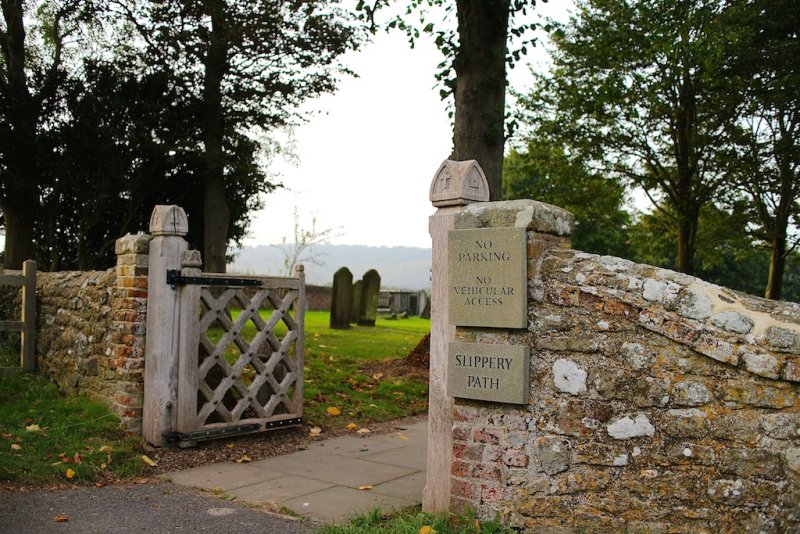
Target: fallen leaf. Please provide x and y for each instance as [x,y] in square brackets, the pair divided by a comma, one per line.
[377,376]
[105,448]
[77,458]
[33,428]
[365,487]
[7,435]
[401,436]
[363,430]
[230,445]
[99,484]
[16,447]
[60,518]
[351,426]
[333,411]
[323,346]
[244,459]
[427,529]
[316,431]
[146,459]
[103,466]
[70,474]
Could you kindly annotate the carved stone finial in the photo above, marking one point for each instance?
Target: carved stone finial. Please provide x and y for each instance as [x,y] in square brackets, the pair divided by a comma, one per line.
[191,258]
[169,220]
[458,183]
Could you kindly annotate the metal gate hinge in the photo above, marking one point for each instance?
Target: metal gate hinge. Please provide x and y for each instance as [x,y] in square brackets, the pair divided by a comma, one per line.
[176,278]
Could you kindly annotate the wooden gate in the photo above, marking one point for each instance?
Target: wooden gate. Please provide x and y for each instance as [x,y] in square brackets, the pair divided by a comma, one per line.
[240,367]
[223,355]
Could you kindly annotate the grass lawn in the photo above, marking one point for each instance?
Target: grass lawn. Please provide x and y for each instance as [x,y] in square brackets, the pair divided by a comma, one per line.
[343,370]
[415,522]
[48,438]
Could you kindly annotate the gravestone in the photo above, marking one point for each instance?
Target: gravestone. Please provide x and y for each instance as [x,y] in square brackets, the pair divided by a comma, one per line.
[341,298]
[368,309]
[356,302]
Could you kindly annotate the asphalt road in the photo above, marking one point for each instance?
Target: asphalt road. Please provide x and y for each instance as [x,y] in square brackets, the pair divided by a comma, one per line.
[157,507]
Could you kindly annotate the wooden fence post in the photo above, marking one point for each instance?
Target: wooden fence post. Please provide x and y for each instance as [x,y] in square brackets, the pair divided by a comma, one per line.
[455,184]
[167,225]
[28,341]
[299,344]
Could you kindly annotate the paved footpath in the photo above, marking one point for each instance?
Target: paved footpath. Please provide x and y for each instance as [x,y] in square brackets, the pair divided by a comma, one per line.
[331,480]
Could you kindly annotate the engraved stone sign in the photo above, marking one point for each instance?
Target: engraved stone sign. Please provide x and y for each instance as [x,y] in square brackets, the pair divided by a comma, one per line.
[487,277]
[497,373]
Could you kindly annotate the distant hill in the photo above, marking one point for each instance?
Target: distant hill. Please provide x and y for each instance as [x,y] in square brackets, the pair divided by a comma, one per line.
[399,267]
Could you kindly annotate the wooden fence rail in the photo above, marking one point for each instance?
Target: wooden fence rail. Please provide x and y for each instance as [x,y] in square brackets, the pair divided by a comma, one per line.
[26,279]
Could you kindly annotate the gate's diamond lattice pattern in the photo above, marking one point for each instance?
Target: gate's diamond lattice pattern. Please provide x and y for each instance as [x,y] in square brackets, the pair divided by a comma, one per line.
[248,372]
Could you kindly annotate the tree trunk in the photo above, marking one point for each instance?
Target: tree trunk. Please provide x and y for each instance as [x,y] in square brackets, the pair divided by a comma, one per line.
[777,262]
[20,188]
[216,213]
[480,87]
[687,242]
[19,224]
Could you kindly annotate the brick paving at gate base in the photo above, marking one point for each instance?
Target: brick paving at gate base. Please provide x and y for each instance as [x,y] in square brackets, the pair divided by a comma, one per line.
[322,482]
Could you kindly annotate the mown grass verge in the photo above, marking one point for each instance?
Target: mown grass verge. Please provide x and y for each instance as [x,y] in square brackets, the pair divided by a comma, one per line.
[46,437]
[413,521]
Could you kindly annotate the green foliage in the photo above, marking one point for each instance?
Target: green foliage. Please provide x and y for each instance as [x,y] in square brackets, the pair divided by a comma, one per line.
[634,91]
[115,113]
[545,173]
[726,252]
[42,434]
[413,521]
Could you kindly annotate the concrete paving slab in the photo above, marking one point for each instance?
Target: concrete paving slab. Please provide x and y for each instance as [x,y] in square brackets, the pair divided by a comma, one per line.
[355,447]
[280,489]
[339,470]
[335,505]
[415,458]
[408,488]
[223,476]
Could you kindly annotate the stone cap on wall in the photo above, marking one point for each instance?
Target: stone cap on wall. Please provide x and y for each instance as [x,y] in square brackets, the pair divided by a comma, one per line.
[132,244]
[759,335]
[529,214]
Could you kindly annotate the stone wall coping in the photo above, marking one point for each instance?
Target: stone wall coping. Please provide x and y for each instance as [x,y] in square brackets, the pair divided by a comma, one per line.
[133,244]
[529,214]
[759,335]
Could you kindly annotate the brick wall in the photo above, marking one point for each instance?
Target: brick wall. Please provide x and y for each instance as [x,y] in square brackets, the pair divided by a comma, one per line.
[658,403]
[91,330]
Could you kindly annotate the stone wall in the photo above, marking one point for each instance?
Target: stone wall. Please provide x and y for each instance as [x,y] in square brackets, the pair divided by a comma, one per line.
[318,298]
[91,330]
[658,402]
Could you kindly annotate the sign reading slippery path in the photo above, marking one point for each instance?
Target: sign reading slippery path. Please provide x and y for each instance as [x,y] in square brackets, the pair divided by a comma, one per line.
[497,373]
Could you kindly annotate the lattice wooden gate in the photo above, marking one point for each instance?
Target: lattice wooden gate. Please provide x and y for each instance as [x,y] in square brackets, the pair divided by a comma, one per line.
[240,367]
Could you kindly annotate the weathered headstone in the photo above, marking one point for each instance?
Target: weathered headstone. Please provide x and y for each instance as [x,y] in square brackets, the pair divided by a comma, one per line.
[368,309]
[356,306]
[341,298]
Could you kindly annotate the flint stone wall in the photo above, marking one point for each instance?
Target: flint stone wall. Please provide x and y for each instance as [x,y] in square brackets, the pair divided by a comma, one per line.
[91,330]
[658,403]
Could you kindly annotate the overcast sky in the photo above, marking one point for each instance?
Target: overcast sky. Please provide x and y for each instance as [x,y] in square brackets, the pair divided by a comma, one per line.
[366,160]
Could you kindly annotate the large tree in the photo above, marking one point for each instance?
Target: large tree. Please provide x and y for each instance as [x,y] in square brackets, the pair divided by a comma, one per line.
[764,162]
[33,37]
[241,67]
[634,88]
[487,38]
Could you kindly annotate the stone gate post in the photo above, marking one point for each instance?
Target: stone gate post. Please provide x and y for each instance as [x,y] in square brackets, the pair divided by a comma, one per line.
[168,225]
[455,184]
